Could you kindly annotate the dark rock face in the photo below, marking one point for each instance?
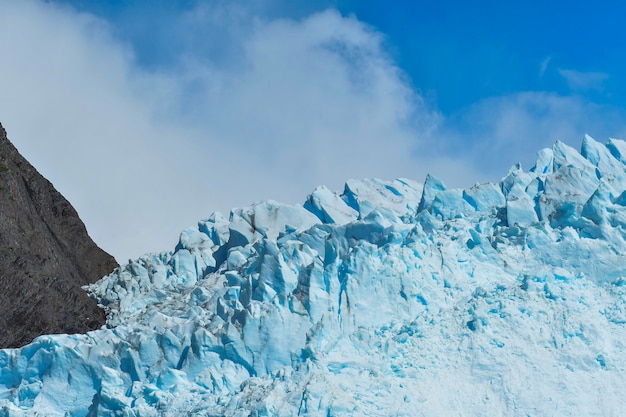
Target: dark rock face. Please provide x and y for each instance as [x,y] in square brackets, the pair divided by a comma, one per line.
[46,256]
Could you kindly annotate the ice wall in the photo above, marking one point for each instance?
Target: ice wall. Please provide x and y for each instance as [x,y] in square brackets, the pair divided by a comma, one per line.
[391,298]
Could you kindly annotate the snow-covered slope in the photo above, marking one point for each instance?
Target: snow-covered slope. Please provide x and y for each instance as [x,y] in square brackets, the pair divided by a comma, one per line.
[392,298]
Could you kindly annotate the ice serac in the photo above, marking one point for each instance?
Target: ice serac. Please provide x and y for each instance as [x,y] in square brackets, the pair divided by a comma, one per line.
[46,256]
[391,298]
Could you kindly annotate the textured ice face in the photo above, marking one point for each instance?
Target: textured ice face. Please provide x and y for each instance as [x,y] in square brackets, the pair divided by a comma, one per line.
[392,298]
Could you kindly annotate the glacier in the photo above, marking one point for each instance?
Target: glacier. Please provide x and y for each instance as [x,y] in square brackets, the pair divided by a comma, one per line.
[392,298]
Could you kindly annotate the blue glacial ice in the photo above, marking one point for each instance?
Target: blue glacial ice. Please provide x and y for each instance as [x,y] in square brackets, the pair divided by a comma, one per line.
[391,298]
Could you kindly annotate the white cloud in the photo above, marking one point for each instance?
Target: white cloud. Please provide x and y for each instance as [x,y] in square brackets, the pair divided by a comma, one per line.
[277,108]
[315,97]
[497,132]
[584,81]
[544,66]
[143,154]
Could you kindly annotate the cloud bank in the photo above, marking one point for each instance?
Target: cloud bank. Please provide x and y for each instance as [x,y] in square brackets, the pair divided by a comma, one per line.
[248,107]
[504,130]
[143,153]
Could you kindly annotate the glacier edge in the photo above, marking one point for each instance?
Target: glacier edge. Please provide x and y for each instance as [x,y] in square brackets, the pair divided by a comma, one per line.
[393,298]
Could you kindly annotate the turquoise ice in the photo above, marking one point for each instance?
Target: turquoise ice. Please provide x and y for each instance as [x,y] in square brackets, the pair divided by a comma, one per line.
[390,298]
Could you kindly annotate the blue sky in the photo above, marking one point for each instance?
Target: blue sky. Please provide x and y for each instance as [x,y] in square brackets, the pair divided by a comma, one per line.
[150,115]
[455,52]
[466,51]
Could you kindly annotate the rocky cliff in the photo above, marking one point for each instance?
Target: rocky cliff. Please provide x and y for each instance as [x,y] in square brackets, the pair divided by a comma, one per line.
[46,256]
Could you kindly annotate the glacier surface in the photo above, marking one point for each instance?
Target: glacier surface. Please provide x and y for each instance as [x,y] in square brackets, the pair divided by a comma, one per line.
[391,298]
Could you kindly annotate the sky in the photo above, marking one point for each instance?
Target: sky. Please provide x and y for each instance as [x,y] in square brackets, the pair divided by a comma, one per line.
[150,115]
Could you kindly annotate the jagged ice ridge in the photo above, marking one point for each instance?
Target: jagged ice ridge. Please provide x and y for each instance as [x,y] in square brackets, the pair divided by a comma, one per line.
[393,298]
